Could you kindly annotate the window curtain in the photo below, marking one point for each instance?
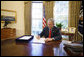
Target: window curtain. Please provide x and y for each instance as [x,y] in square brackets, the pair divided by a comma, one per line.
[74,9]
[48,9]
[27,17]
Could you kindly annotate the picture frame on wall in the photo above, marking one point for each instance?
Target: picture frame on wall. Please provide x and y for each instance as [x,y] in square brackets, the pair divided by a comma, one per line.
[8,15]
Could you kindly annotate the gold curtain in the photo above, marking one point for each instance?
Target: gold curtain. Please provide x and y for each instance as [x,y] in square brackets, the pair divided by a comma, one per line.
[27,17]
[48,9]
[74,9]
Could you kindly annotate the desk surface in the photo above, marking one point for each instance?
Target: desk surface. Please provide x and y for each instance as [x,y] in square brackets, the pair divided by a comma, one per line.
[12,48]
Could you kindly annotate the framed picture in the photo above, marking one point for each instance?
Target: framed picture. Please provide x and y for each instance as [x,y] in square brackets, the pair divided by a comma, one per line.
[8,15]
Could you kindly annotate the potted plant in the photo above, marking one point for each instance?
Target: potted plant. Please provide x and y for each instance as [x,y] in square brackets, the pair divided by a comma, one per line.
[59,25]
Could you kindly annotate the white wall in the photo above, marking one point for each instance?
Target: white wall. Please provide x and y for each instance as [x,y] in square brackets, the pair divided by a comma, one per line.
[17,6]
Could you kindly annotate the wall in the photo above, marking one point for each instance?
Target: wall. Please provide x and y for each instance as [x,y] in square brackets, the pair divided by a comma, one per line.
[17,6]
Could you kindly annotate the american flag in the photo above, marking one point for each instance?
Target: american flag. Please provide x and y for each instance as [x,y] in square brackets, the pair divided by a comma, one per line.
[44,19]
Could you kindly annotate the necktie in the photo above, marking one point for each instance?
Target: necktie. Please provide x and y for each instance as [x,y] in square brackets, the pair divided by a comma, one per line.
[50,33]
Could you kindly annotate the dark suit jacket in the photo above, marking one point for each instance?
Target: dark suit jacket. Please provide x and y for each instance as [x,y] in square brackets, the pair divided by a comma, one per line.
[55,33]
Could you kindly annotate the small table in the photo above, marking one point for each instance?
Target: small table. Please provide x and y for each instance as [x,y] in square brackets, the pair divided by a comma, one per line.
[68,34]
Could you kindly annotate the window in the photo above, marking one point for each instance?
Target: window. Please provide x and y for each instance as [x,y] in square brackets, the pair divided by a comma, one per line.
[61,13]
[37,17]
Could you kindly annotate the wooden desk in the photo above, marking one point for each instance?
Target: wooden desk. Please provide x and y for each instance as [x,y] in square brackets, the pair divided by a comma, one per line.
[13,48]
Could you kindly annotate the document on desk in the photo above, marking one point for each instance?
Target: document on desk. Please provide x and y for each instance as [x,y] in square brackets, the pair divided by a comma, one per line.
[41,40]
[25,38]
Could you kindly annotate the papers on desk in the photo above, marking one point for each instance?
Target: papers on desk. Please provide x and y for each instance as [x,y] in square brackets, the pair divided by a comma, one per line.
[25,38]
[41,40]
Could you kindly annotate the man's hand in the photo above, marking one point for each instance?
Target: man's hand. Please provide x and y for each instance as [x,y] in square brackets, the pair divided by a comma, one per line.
[38,37]
[48,39]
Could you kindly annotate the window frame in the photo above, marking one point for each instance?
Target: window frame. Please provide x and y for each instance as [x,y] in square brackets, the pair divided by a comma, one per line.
[31,14]
[60,14]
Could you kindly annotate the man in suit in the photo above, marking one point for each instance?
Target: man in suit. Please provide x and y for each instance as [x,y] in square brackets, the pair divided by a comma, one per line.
[50,32]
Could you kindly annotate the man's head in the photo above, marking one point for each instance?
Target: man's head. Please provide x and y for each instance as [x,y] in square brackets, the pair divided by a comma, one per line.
[50,23]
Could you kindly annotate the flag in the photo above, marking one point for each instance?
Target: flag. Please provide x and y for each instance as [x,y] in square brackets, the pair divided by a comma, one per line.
[44,19]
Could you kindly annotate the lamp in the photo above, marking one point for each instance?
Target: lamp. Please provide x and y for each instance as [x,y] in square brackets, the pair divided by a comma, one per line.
[7,20]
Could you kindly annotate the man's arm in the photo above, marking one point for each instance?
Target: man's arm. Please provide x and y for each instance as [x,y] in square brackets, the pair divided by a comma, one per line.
[58,35]
[42,33]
